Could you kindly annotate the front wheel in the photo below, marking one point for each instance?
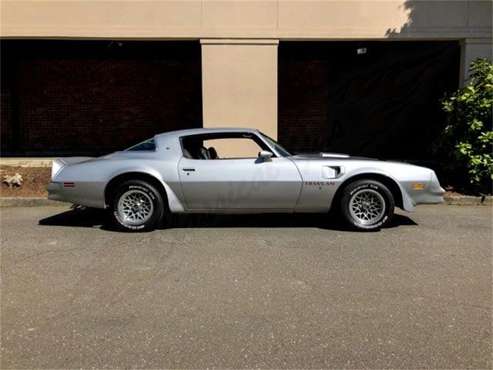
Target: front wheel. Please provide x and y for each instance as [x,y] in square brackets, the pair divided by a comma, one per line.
[367,205]
[137,206]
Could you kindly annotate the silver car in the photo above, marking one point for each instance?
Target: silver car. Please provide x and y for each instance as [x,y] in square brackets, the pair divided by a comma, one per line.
[180,172]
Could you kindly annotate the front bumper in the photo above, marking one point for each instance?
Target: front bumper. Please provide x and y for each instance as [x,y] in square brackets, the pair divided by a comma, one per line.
[432,193]
[430,196]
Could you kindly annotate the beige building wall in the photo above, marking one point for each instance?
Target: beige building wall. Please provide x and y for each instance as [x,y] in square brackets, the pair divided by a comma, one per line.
[271,19]
[239,83]
[239,37]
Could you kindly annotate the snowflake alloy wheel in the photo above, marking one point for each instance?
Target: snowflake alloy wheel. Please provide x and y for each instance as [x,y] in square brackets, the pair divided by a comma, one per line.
[367,206]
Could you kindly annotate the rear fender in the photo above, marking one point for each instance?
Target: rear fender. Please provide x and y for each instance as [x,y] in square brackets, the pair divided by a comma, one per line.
[59,163]
[174,203]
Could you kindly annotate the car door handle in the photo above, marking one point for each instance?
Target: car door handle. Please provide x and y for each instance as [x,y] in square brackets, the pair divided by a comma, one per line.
[188,169]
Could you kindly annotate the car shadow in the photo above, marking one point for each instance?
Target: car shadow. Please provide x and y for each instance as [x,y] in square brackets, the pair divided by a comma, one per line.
[77,217]
[89,217]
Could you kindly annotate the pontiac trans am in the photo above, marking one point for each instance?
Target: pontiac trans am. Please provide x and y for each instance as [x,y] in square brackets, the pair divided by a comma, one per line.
[176,172]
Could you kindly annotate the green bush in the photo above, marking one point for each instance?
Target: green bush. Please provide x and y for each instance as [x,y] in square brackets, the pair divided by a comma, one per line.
[468,137]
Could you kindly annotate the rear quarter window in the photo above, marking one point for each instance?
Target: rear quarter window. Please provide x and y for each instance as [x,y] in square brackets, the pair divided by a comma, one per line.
[148,145]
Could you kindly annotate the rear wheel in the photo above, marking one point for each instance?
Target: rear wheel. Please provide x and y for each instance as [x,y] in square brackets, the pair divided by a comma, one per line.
[367,205]
[137,206]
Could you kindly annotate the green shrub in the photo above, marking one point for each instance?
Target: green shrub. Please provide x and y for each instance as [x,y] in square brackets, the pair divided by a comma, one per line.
[468,136]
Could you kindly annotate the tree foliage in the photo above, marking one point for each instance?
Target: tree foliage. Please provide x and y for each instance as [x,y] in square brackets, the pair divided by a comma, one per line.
[468,135]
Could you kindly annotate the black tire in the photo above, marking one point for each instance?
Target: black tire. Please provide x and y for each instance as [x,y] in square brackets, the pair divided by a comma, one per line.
[377,194]
[146,194]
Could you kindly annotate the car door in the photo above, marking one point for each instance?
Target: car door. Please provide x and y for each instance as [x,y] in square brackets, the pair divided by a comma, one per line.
[239,183]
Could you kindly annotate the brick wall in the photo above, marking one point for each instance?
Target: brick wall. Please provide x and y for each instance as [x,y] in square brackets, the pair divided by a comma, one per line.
[94,97]
[382,102]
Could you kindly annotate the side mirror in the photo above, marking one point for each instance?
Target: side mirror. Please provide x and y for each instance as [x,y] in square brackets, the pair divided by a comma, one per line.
[265,155]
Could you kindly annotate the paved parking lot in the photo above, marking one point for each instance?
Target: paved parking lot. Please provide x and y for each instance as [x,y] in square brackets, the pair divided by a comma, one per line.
[241,292]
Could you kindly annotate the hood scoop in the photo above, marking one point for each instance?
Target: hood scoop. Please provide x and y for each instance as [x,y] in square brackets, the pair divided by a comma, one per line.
[334,155]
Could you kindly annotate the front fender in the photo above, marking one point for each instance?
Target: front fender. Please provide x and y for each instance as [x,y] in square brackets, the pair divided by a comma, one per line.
[407,202]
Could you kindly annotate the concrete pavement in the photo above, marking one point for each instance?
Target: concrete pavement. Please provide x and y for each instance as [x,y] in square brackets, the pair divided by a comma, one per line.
[242,292]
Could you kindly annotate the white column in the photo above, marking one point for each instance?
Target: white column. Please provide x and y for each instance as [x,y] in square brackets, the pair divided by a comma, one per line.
[472,49]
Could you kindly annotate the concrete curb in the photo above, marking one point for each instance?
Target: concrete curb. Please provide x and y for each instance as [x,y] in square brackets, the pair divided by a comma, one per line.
[27,202]
[26,162]
[468,200]
[464,200]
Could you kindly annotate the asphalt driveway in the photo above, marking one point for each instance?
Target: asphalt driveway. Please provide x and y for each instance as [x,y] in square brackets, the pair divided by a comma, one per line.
[242,292]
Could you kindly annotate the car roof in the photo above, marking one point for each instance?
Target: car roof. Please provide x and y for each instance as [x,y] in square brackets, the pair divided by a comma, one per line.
[198,131]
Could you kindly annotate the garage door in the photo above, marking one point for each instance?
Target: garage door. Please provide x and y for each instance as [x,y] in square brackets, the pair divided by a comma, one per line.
[379,99]
[94,97]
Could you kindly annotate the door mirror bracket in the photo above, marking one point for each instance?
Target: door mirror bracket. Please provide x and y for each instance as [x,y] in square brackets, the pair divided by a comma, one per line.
[265,155]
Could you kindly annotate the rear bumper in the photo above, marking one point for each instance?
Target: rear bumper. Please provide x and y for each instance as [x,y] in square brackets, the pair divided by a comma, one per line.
[88,194]
[55,192]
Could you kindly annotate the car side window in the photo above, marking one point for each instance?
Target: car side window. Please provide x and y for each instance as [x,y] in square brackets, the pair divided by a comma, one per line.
[232,148]
[222,146]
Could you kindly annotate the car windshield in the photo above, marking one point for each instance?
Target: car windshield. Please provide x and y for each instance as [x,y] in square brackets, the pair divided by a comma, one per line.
[279,149]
